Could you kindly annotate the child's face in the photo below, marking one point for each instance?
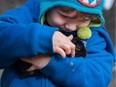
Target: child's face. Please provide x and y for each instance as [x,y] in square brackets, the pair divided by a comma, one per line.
[67,19]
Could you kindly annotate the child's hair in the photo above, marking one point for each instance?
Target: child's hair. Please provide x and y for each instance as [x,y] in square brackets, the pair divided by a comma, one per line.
[86,16]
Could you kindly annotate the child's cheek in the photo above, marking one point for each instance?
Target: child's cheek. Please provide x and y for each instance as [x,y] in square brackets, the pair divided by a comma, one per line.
[57,19]
[83,24]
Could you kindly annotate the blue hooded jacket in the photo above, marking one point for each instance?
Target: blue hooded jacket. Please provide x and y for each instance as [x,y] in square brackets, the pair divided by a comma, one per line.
[22,36]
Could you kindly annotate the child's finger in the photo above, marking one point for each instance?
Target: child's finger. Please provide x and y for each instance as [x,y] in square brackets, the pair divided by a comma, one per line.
[60,51]
[72,46]
[66,48]
[31,69]
[70,37]
[29,60]
[69,48]
[72,53]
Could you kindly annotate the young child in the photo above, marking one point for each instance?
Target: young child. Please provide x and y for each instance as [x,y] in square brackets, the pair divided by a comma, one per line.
[23,36]
[53,18]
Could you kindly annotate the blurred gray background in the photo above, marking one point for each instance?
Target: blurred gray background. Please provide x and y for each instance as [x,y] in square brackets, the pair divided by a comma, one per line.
[108,14]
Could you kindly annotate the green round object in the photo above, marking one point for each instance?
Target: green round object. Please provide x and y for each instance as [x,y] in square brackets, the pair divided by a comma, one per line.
[84,33]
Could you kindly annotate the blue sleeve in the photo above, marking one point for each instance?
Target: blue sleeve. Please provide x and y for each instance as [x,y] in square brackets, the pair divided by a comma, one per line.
[115,56]
[21,37]
[93,71]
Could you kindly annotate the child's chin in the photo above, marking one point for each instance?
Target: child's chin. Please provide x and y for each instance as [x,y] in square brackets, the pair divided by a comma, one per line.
[65,30]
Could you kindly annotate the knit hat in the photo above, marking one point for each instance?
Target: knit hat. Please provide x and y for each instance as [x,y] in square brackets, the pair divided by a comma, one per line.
[88,6]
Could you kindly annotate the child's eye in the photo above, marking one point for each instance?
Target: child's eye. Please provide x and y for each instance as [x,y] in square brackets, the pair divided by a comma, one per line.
[66,9]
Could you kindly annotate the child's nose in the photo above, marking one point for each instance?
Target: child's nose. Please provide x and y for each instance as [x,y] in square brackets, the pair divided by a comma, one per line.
[70,26]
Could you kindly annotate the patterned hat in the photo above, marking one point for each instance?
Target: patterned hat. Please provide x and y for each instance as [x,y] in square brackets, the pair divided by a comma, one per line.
[88,6]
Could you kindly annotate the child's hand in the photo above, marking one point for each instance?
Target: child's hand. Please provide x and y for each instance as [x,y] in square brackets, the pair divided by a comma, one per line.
[63,45]
[38,62]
